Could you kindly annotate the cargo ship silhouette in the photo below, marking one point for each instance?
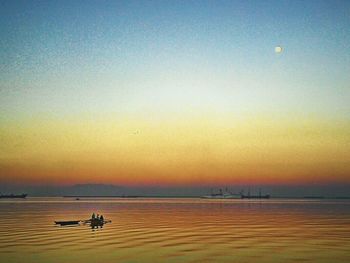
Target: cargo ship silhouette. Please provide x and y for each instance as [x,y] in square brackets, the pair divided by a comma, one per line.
[229,195]
[13,196]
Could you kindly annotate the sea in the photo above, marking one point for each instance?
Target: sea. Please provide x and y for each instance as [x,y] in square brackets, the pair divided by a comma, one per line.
[175,230]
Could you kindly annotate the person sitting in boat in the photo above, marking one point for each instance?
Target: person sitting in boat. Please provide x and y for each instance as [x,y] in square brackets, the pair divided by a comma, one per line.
[97,217]
[101,218]
[93,216]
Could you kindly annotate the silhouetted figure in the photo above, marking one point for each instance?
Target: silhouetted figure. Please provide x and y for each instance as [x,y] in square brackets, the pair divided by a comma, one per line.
[93,216]
[98,217]
[101,218]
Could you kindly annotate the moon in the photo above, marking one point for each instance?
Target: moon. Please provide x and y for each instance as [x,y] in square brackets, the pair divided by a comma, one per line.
[278,49]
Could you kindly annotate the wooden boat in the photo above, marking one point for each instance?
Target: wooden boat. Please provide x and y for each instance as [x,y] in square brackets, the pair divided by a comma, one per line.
[92,222]
[67,223]
[97,222]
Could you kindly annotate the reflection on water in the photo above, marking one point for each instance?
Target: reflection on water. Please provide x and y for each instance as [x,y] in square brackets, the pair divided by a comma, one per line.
[176,230]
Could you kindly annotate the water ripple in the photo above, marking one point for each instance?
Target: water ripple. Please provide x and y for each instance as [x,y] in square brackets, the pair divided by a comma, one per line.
[176,230]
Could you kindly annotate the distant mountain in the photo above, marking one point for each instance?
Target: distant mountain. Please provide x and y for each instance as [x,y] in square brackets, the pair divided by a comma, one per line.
[94,190]
[78,189]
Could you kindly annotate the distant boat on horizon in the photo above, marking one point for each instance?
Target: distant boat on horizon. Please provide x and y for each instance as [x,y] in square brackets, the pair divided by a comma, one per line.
[259,196]
[255,196]
[13,196]
[222,195]
[228,195]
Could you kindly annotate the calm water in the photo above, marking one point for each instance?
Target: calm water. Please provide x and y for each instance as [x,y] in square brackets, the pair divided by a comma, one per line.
[176,230]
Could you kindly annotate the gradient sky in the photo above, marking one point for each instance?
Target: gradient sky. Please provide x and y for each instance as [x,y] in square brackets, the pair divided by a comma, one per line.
[175,92]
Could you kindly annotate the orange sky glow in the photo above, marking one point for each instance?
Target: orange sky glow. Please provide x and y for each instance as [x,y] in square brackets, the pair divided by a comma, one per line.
[174,152]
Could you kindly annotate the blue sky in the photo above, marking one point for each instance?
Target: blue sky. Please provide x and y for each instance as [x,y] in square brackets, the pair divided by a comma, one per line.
[90,56]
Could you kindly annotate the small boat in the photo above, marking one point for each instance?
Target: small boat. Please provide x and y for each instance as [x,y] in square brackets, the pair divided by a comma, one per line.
[96,222]
[92,222]
[13,196]
[67,223]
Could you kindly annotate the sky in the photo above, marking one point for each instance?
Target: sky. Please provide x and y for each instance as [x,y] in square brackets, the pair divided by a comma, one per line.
[175,93]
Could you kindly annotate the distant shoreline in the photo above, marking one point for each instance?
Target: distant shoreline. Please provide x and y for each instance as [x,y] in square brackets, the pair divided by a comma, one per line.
[157,196]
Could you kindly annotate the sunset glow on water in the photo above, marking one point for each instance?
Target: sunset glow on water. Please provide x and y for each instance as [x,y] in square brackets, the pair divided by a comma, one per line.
[176,230]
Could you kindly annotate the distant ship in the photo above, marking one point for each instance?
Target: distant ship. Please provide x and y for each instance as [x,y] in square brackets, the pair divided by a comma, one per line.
[260,196]
[13,196]
[222,195]
[228,195]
